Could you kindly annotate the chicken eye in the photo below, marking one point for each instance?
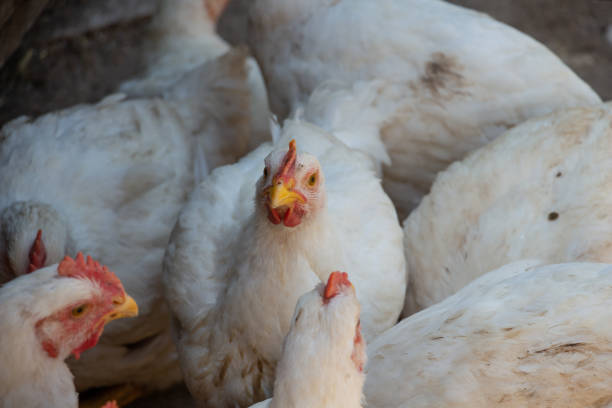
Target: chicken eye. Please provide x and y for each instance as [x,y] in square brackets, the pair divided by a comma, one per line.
[265,172]
[312,180]
[79,311]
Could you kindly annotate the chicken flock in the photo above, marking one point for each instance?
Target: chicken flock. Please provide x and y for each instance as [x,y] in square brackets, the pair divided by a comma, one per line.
[426,224]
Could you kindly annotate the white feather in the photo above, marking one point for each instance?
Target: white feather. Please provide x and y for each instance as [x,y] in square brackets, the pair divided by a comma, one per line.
[541,190]
[232,278]
[521,336]
[109,180]
[452,79]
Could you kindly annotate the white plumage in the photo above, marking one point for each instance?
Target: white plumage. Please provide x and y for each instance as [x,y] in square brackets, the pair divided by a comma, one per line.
[181,38]
[454,79]
[541,190]
[232,277]
[109,179]
[520,336]
[321,364]
[39,332]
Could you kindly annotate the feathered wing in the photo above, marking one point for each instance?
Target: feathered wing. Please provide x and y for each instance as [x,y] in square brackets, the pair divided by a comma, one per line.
[540,190]
[435,44]
[198,268]
[522,335]
[200,251]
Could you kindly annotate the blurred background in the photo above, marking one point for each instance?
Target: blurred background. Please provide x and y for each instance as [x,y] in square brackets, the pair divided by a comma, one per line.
[56,53]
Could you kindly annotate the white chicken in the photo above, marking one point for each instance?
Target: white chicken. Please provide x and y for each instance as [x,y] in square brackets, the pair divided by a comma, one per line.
[44,317]
[324,353]
[182,37]
[110,179]
[247,245]
[542,190]
[454,78]
[520,336]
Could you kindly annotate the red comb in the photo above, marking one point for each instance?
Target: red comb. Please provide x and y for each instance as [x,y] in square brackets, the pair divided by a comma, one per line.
[78,268]
[336,281]
[287,167]
[38,253]
[110,404]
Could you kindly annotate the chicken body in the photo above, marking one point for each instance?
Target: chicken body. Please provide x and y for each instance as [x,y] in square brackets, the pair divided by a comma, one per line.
[541,190]
[45,316]
[110,179]
[520,336]
[454,79]
[235,268]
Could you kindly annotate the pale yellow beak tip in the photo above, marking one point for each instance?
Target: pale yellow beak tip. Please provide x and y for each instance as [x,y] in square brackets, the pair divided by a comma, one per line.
[280,195]
[128,308]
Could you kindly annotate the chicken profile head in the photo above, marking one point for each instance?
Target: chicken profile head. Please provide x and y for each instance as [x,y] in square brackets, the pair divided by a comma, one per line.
[292,186]
[80,297]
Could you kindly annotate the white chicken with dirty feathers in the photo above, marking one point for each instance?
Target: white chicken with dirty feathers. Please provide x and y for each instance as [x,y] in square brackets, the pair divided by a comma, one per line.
[182,37]
[110,179]
[44,317]
[323,354]
[520,336]
[248,244]
[543,189]
[454,78]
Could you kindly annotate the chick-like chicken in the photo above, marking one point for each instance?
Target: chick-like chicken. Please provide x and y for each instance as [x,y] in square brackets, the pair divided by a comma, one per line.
[47,315]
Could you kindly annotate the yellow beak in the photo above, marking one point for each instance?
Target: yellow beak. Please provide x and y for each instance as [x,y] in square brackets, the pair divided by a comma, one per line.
[280,195]
[128,308]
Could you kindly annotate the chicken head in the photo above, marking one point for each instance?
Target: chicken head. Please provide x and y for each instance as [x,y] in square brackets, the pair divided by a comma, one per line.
[292,186]
[77,326]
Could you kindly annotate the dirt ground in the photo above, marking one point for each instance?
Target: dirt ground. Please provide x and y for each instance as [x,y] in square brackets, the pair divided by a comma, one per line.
[80,50]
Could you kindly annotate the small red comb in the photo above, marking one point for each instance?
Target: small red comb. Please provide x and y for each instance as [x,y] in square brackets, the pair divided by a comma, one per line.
[287,167]
[38,253]
[90,269]
[336,281]
[110,404]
